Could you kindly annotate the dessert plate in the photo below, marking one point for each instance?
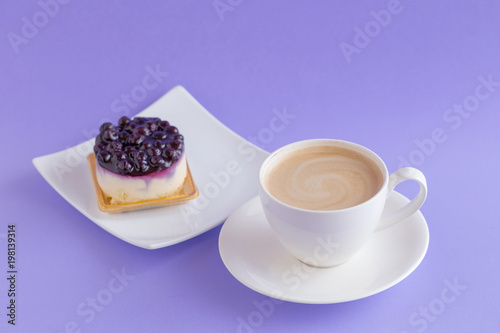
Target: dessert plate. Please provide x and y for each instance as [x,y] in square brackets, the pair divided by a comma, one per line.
[253,255]
[224,167]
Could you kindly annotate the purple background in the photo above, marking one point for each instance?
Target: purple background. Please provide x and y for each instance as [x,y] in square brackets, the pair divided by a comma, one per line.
[390,94]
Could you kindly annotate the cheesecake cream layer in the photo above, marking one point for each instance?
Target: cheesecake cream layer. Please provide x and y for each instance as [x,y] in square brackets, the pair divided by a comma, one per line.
[128,189]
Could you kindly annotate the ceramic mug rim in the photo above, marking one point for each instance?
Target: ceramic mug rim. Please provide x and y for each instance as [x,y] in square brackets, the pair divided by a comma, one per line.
[328,142]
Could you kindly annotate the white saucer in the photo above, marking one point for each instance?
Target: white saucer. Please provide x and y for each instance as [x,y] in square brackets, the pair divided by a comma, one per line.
[253,255]
[224,167]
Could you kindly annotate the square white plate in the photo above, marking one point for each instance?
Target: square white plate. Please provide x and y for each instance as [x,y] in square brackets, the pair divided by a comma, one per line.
[224,167]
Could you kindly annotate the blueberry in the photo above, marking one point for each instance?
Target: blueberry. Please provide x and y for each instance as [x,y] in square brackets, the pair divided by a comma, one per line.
[141,155]
[115,145]
[142,130]
[130,151]
[141,166]
[152,126]
[177,156]
[120,155]
[146,145]
[130,127]
[154,151]
[135,139]
[123,121]
[160,144]
[110,135]
[104,156]
[105,126]
[174,144]
[157,161]
[163,125]
[159,135]
[168,154]
[123,135]
[98,147]
[134,155]
[140,120]
[98,139]
[172,130]
[179,137]
[124,166]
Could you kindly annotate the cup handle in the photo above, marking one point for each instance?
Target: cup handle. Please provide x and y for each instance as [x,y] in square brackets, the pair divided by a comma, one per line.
[407,173]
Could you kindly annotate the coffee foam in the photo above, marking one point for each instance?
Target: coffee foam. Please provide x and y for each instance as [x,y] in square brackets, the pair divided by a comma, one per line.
[323,178]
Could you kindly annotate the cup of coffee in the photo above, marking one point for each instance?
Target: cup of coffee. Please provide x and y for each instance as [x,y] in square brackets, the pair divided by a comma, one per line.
[325,198]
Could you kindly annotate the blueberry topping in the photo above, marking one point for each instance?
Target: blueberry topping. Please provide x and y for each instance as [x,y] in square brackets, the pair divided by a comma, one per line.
[138,146]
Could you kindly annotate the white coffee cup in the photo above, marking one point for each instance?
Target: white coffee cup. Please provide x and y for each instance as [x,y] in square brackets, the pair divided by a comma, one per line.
[326,238]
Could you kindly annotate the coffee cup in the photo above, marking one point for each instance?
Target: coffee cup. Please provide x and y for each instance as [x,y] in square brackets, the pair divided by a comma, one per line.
[324,198]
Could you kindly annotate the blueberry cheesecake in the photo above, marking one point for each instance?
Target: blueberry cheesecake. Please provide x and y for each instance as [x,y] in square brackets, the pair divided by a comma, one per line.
[139,159]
